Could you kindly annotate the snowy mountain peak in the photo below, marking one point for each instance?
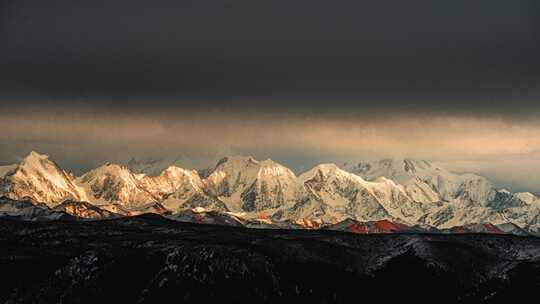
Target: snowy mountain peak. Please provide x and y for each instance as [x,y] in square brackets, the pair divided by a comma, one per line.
[325,171]
[176,170]
[336,194]
[39,178]
[528,198]
[36,155]
[36,161]
[399,170]
[154,166]
[111,168]
[246,184]
[175,175]
[237,164]
[270,168]
[112,183]
[426,182]
[177,189]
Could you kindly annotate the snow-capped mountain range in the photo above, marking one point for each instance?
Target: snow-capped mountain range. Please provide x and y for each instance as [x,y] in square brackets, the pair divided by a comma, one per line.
[406,192]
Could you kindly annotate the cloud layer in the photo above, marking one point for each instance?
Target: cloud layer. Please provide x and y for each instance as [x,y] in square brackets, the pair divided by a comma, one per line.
[83,137]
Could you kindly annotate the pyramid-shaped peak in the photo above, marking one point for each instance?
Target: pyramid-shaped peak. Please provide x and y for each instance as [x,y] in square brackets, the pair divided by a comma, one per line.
[37,160]
[109,169]
[36,155]
[270,167]
[323,171]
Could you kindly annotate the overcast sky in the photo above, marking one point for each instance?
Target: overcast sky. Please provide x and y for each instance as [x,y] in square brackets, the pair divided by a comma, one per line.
[298,81]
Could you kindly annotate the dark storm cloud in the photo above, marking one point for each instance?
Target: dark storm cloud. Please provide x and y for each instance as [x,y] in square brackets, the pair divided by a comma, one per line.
[462,55]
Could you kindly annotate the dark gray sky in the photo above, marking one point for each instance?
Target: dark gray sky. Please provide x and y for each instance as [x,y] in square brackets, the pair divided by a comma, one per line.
[418,52]
[298,80]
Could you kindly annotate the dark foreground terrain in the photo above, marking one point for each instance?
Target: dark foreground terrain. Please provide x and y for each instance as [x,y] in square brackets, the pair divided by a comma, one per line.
[149,259]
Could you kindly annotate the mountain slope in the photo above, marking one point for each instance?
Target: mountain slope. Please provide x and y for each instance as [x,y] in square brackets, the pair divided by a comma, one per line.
[426,182]
[153,166]
[245,184]
[114,184]
[334,194]
[202,216]
[39,178]
[84,210]
[347,195]
[528,198]
[456,199]
[178,189]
